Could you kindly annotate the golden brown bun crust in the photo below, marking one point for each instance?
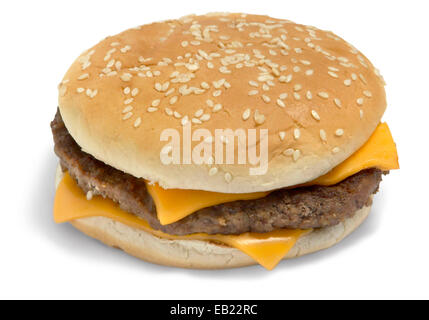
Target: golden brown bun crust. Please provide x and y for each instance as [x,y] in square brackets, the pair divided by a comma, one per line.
[201,254]
[312,87]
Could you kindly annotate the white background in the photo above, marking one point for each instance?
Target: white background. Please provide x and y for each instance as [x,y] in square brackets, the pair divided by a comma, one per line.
[387,257]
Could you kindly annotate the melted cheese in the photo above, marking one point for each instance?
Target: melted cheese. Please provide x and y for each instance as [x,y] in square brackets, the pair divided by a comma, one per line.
[268,249]
[378,152]
[174,204]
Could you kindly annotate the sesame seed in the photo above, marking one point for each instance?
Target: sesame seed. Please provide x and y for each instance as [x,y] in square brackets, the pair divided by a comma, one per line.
[283,95]
[127,116]
[184,120]
[296,133]
[288,152]
[155,103]
[224,70]
[347,82]
[127,109]
[126,77]
[205,85]
[228,177]
[217,93]
[152,109]
[360,101]
[333,74]
[110,63]
[253,83]
[213,171]
[177,115]
[158,87]
[173,99]
[323,95]
[125,49]
[296,69]
[91,93]
[217,107]
[354,76]
[265,77]
[135,92]
[335,150]
[266,98]
[258,117]
[296,155]
[282,135]
[361,113]
[297,87]
[337,102]
[209,103]
[218,84]
[253,92]
[169,92]
[315,115]
[286,79]
[246,114]
[339,132]
[137,122]
[80,90]
[85,65]
[280,103]
[323,135]
[309,95]
[83,76]
[128,101]
[205,117]
[309,72]
[367,93]
[199,113]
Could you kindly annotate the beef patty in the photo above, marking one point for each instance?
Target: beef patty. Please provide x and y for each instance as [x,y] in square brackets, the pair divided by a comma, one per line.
[298,208]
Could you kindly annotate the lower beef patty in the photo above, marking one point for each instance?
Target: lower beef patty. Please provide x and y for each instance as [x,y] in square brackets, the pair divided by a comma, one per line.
[299,208]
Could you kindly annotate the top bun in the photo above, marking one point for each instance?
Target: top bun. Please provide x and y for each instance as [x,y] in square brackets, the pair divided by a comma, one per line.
[317,95]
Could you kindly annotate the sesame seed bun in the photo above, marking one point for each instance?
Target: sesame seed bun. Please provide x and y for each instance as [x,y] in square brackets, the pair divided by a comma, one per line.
[318,96]
[198,254]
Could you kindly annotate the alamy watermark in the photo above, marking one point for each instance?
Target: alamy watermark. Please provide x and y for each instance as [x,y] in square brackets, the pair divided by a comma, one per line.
[226,146]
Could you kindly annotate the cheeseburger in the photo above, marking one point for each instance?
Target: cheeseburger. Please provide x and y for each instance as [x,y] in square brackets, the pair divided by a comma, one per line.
[220,141]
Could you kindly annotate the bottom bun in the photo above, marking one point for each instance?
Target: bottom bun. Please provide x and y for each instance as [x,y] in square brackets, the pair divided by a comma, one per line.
[200,254]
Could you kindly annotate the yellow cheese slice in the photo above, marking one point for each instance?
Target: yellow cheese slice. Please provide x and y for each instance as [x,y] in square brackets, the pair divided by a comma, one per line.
[268,249]
[378,152]
[174,204]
